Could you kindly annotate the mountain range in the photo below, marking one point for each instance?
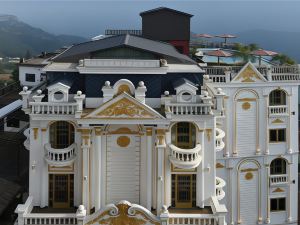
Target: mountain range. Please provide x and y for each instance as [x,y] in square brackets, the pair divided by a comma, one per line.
[17,37]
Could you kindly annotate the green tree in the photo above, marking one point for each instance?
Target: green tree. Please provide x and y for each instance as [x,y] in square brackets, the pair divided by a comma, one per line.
[244,51]
[15,74]
[283,59]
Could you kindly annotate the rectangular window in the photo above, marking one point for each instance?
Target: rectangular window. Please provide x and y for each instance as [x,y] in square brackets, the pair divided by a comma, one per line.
[277,204]
[30,77]
[277,135]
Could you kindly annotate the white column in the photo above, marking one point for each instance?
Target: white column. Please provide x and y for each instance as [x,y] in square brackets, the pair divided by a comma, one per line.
[85,136]
[149,168]
[45,176]
[289,131]
[267,151]
[168,176]
[200,176]
[226,127]
[97,168]
[289,197]
[268,193]
[160,146]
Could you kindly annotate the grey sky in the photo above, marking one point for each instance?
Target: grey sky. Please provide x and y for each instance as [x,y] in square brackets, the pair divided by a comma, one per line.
[90,18]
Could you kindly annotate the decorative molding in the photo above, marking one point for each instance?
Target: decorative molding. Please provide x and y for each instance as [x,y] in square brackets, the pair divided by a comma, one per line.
[35,132]
[123,130]
[277,121]
[246,105]
[123,141]
[278,190]
[208,133]
[160,133]
[149,131]
[43,129]
[249,169]
[249,176]
[98,131]
[219,166]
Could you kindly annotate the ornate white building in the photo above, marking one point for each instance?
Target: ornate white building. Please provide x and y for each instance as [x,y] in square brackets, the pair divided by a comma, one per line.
[130,131]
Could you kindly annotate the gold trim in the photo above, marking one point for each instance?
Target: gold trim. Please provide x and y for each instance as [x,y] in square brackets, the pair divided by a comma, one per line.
[160,133]
[246,100]
[278,190]
[278,121]
[98,131]
[249,170]
[123,130]
[249,176]
[149,131]
[35,132]
[43,129]
[208,133]
[219,166]
[246,105]
[69,168]
[123,141]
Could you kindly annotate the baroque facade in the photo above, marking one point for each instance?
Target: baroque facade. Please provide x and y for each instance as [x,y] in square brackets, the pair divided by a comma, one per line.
[130,131]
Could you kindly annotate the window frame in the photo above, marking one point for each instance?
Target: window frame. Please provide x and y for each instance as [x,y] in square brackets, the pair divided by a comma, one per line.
[30,80]
[274,166]
[277,97]
[278,204]
[277,135]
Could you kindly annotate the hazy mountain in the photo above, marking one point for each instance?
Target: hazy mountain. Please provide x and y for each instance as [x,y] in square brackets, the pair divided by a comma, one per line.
[279,41]
[16,37]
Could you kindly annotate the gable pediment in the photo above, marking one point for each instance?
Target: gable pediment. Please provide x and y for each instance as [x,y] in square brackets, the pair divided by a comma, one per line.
[124,107]
[249,74]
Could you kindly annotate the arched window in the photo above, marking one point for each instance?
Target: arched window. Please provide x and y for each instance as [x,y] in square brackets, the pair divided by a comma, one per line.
[277,97]
[184,135]
[61,134]
[278,166]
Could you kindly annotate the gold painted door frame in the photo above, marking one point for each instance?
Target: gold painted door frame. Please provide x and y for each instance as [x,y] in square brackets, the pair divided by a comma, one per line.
[183,190]
[61,190]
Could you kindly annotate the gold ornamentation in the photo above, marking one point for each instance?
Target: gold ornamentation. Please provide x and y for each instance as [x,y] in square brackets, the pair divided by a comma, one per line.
[249,75]
[123,217]
[124,88]
[35,132]
[278,190]
[98,131]
[125,108]
[149,131]
[123,141]
[208,133]
[69,168]
[277,121]
[249,170]
[43,129]
[246,100]
[219,165]
[249,176]
[160,133]
[246,105]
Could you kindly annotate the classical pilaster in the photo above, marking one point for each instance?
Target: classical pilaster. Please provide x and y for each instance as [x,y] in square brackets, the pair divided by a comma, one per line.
[97,166]
[160,146]
[226,154]
[45,177]
[268,193]
[149,167]
[85,146]
[289,131]
[267,151]
[200,176]
[289,197]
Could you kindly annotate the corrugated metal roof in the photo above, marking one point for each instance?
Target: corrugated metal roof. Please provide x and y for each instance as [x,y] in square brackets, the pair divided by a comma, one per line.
[155,47]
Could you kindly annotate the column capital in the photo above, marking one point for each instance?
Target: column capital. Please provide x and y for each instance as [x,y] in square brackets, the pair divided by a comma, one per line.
[98,131]
[149,131]
[160,134]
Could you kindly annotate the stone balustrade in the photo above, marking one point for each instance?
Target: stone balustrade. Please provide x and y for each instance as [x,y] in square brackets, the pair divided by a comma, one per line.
[55,108]
[185,158]
[188,108]
[60,157]
[193,219]
[220,134]
[278,179]
[278,110]
[220,184]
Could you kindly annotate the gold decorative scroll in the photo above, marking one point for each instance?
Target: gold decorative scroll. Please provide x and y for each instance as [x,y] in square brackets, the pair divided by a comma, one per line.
[219,166]
[208,133]
[278,190]
[98,131]
[149,131]
[125,108]
[123,88]
[249,169]
[246,105]
[160,133]
[35,132]
[123,141]
[43,129]
[249,176]
[123,130]
[277,121]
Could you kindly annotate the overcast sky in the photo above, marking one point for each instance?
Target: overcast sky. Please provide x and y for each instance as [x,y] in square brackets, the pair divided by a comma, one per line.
[89,18]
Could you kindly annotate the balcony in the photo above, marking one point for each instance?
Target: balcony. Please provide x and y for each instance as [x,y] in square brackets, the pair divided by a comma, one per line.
[220,134]
[220,184]
[188,108]
[278,110]
[278,179]
[60,157]
[53,108]
[185,158]
[27,141]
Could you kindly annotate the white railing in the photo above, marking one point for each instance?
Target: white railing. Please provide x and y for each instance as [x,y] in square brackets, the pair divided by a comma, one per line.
[285,77]
[185,158]
[121,63]
[193,219]
[53,108]
[285,70]
[278,110]
[278,179]
[220,134]
[188,108]
[218,78]
[50,219]
[60,156]
[220,184]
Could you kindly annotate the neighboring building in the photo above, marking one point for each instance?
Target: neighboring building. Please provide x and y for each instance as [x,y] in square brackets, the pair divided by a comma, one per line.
[130,131]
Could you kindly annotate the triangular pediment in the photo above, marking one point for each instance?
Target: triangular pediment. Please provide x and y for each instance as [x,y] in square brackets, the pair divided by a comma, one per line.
[248,74]
[124,107]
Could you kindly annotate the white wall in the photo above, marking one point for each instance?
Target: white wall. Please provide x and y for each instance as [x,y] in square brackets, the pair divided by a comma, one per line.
[32,70]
